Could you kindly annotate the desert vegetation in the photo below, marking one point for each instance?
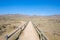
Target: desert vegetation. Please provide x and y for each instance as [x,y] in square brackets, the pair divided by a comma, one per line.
[50,25]
[8,23]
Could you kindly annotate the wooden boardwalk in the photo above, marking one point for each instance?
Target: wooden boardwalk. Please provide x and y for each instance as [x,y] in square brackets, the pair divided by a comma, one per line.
[29,33]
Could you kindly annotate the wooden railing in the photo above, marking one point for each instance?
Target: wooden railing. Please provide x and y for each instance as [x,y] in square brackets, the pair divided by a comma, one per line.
[42,36]
[16,33]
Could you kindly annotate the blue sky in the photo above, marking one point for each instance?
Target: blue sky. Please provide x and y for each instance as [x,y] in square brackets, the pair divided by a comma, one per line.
[30,7]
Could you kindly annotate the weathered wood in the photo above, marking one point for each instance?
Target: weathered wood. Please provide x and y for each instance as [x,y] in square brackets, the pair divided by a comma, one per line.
[29,33]
[41,34]
[16,33]
[6,37]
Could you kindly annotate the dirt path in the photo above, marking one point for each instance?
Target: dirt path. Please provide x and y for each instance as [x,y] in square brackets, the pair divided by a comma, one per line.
[29,33]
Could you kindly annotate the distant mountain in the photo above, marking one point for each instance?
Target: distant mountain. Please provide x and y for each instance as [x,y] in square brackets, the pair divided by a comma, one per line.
[13,16]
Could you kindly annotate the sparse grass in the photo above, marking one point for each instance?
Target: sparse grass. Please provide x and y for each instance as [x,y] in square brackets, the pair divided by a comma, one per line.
[49,25]
[7,25]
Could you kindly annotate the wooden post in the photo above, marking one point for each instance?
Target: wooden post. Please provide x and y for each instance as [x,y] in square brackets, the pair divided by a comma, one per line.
[6,37]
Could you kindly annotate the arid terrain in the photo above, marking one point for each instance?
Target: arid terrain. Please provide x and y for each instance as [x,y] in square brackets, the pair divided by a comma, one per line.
[50,25]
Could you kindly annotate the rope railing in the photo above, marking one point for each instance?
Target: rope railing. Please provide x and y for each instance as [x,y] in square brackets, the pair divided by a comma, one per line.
[42,36]
[19,29]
